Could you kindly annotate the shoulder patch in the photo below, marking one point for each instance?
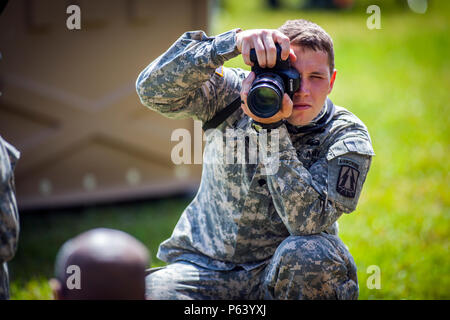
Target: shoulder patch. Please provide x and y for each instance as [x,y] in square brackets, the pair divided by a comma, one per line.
[348,162]
[219,71]
[347,181]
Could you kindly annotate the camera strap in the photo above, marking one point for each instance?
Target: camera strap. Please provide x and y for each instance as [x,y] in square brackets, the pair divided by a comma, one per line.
[222,115]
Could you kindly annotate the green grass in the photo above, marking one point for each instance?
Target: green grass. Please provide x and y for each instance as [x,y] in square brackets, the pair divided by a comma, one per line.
[397,81]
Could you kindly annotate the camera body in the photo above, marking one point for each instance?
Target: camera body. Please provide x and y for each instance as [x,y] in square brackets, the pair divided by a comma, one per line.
[265,97]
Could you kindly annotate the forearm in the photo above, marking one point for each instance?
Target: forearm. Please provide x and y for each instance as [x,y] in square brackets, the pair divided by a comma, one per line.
[303,209]
[9,216]
[9,227]
[299,195]
[181,77]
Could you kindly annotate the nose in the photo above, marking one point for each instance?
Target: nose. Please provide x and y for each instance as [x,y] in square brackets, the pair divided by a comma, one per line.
[304,89]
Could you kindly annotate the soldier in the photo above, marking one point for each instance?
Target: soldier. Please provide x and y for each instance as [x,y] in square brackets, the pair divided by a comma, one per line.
[102,264]
[9,216]
[252,233]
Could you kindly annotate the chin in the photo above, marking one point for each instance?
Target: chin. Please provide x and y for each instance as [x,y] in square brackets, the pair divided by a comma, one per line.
[301,118]
[298,122]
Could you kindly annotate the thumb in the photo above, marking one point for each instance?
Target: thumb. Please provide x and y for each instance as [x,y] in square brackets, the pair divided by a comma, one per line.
[286,108]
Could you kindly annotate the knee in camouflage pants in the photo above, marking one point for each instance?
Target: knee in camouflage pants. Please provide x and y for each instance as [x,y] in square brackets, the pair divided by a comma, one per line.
[303,267]
[311,267]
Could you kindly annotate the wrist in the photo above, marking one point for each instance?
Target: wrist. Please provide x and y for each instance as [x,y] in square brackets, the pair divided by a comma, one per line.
[238,40]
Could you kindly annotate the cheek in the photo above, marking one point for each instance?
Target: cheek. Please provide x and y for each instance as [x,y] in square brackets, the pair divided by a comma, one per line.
[320,87]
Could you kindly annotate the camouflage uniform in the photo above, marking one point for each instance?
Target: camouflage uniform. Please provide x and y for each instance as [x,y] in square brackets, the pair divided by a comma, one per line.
[9,218]
[247,233]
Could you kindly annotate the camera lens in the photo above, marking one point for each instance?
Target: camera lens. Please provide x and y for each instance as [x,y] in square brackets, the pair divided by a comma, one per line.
[266,95]
[265,101]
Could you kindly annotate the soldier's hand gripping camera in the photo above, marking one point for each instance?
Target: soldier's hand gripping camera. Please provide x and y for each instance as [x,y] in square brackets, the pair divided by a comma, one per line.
[266,94]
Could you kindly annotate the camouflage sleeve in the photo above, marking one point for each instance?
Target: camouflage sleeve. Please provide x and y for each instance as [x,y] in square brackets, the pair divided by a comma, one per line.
[9,217]
[310,201]
[188,80]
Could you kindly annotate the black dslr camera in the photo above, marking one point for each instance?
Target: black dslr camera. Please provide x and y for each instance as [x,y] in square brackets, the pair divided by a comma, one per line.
[266,94]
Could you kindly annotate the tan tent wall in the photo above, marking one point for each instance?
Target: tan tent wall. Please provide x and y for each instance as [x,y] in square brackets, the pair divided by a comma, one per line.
[68,100]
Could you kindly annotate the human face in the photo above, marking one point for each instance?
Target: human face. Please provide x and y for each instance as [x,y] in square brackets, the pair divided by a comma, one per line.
[315,86]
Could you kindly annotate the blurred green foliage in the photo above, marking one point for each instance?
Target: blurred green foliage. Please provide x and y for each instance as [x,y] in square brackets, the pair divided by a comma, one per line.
[396,80]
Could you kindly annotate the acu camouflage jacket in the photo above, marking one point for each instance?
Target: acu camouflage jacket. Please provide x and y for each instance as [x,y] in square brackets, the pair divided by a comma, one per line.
[9,216]
[243,211]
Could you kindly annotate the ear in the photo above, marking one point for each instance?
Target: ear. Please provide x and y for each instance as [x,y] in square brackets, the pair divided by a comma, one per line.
[332,79]
[56,289]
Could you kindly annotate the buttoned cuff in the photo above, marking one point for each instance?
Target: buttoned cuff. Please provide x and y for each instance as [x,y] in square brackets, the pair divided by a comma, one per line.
[225,45]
